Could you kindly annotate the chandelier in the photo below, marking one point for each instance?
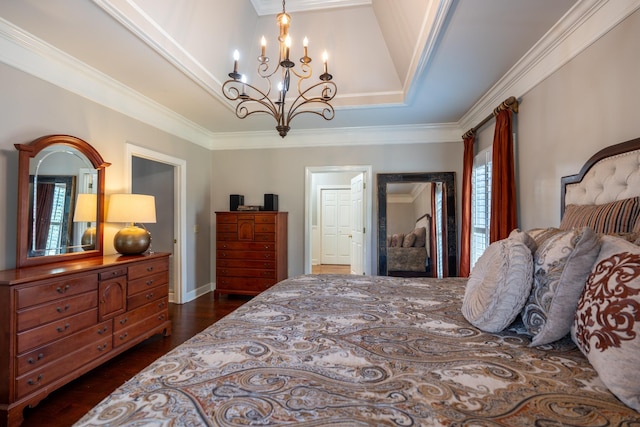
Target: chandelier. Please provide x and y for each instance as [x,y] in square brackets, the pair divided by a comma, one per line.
[310,98]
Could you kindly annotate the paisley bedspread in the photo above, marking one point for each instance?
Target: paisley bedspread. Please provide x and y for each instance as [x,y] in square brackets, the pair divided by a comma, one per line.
[362,350]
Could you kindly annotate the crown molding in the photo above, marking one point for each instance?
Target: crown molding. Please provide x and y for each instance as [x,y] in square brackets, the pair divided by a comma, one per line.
[368,135]
[582,25]
[33,56]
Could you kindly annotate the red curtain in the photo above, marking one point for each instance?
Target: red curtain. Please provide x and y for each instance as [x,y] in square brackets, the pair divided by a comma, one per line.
[465,227]
[503,186]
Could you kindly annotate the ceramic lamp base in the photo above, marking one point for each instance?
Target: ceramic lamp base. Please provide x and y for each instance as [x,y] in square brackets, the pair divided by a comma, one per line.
[132,240]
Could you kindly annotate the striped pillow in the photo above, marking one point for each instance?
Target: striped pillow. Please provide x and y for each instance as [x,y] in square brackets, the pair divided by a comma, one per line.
[615,217]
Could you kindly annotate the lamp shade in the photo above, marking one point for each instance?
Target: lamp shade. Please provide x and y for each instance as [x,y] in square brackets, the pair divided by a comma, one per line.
[86,208]
[132,208]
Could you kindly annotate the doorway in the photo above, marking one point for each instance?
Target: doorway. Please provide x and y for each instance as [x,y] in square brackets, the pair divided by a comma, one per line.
[154,173]
[322,178]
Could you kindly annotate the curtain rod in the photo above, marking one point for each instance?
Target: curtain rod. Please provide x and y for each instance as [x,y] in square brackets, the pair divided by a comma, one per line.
[511,103]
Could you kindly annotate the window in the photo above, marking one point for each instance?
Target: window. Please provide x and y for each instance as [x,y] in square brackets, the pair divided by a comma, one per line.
[480,203]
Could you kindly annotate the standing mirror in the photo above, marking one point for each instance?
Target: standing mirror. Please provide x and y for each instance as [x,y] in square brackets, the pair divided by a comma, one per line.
[60,200]
[417,232]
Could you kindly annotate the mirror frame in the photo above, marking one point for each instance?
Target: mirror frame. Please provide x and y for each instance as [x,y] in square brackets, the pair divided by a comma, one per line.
[449,180]
[26,153]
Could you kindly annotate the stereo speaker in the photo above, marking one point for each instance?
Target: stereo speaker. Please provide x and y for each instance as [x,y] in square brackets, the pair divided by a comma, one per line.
[270,202]
[235,200]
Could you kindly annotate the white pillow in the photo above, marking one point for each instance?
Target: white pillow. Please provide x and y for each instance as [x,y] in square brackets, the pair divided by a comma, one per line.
[498,285]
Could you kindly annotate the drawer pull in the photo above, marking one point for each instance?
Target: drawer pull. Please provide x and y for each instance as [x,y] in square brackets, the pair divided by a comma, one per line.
[149,282]
[61,329]
[149,296]
[124,336]
[36,382]
[103,330]
[150,268]
[102,347]
[161,317]
[31,361]
[62,310]
[161,305]
[63,290]
[123,321]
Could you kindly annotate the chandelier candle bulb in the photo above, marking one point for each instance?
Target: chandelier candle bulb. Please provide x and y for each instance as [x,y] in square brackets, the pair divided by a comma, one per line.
[305,45]
[236,57]
[325,59]
[263,44]
[287,43]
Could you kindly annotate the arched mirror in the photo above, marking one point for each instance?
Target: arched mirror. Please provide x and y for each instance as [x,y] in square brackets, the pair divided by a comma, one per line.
[60,200]
[417,224]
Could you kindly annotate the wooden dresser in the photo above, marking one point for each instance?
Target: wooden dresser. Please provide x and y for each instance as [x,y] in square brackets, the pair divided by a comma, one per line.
[251,251]
[60,320]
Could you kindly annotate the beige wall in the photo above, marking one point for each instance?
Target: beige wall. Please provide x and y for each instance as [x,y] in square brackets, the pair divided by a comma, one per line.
[282,171]
[30,108]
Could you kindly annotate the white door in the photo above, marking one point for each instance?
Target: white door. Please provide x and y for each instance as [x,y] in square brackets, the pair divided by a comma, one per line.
[344,227]
[335,217]
[329,218]
[357,224]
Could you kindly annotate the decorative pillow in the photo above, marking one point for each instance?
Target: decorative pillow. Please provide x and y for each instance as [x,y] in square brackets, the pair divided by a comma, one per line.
[615,217]
[539,235]
[498,285]
[525,238]
[607,323]
[409,240]
[396,240]
[421,237]
[561,266]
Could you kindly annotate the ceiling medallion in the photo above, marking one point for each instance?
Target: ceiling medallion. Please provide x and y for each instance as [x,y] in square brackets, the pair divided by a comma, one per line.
[312,99]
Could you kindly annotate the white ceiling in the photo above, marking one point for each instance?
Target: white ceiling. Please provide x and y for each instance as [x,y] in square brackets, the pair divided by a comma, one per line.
[395,62]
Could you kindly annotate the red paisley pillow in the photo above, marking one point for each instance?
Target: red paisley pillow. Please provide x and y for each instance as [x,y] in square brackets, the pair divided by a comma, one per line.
[606,325]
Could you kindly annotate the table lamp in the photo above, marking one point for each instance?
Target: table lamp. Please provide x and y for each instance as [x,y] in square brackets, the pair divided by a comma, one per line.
[132,209]
[86,211]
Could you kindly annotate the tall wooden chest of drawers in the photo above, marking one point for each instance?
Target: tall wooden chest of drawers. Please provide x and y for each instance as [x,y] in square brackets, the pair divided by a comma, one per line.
[58,321]
[251,251]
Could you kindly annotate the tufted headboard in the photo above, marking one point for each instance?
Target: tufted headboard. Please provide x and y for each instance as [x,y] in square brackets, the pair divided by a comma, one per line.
[611,174]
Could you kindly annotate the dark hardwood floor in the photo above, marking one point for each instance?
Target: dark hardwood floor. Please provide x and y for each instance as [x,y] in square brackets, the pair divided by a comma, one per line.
[68,404]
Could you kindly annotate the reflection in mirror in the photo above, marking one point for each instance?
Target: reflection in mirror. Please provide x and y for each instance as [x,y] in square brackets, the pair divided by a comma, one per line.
[416,224]
[53,201]
[60,200]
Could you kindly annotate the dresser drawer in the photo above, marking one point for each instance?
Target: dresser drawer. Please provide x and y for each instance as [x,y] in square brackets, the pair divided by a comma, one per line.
[52,352]
[226,218]
[148,282]
[246,263]
[265,237]
[111,273]
[265,228]
[227,237]
[38,378]
[245,272]
[243,284]
[56,330]
[142,298]
[144,269]
[49,312]
[265,219]
[226,227]
[140,328]
[250,255]
[53,290]
[246,246]
[134,316]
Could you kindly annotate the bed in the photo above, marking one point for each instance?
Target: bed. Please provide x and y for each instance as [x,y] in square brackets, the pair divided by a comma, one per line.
[363,350]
